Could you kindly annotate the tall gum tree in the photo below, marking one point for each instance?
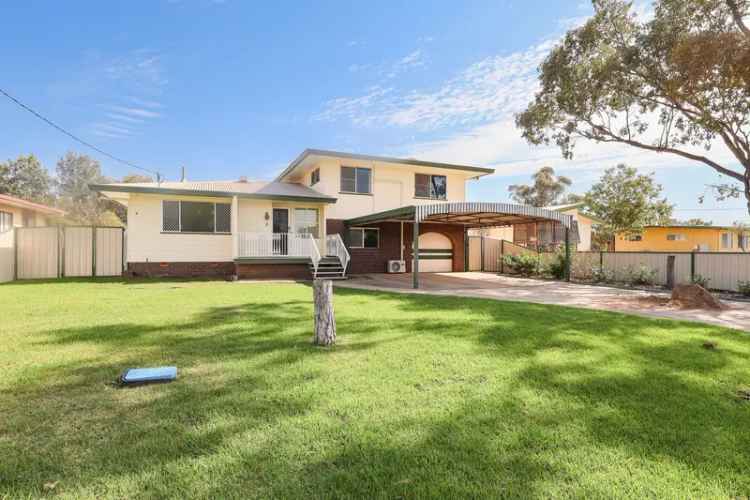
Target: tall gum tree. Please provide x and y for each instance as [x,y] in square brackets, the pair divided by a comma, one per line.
[675,83]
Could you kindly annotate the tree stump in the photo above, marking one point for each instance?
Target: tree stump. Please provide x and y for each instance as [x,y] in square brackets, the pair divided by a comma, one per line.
[325,319]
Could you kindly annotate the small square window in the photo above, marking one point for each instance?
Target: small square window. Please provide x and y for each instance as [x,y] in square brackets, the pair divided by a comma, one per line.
[726,240]
[430,186]
[364,237]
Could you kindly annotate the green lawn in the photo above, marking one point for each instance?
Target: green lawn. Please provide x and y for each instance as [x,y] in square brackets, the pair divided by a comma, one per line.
[422,396]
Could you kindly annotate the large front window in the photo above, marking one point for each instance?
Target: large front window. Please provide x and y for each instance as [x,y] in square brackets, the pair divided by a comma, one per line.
[430,186]
[306,221]
[195,217]
[356,180]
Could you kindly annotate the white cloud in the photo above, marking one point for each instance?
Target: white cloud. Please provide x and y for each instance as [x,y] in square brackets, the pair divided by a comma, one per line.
[133,111]
[485,91]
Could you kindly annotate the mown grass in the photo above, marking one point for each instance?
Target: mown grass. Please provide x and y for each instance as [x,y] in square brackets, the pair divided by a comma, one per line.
[422,397]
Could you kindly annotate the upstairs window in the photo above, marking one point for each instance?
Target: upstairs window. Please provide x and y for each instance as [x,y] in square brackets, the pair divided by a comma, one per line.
[6,221]
[315,177]
[196,217]
[356,180]
[634,237]
[430,186]
[743,241]
[676,237]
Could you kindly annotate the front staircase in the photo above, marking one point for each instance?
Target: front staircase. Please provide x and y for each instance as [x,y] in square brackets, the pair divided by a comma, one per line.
[330,268]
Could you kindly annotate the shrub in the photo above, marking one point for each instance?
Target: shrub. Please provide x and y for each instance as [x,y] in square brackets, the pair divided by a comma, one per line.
[642,275]
[556,266]
[602,275]
[523,264]
[744,288]
[701,280]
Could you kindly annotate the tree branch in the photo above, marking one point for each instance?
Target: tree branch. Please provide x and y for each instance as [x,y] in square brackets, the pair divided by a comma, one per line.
[691,156]
[737,16]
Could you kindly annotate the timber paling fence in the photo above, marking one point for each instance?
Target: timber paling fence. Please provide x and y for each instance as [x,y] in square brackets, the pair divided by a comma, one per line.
[723,270]
[65,251]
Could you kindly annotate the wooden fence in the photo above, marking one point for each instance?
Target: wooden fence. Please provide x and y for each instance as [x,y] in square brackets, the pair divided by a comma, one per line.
[722,269]
[55,252]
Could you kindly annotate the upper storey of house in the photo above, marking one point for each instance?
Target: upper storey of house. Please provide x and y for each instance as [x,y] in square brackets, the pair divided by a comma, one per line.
[365,184]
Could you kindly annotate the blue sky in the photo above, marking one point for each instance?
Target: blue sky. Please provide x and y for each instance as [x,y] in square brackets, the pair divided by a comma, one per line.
[230,88]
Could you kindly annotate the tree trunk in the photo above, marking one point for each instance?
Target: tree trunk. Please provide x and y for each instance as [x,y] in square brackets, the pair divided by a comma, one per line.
[325,320]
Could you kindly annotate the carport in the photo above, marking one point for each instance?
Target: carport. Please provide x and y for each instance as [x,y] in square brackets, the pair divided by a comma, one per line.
[465,215]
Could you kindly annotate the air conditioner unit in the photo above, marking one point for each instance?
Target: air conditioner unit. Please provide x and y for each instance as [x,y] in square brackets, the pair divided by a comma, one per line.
[396,266]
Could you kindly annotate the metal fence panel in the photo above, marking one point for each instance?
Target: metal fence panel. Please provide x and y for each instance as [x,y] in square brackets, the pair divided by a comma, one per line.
[79,252]
[7,256]
[723,270]
[37,252]
[109,245]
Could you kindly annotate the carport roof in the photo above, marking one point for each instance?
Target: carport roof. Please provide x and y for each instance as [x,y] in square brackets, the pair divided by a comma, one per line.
[469,214]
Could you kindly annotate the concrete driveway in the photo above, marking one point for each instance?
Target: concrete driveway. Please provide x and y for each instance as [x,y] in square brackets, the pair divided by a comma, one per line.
[493,286]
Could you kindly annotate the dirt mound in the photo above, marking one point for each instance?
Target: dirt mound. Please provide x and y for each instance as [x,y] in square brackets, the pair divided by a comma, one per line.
[695,297]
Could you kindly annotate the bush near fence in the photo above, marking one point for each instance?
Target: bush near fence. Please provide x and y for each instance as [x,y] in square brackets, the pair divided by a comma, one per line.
[723,270]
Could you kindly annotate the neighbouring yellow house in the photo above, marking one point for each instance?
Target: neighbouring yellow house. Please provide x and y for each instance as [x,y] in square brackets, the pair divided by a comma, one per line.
[685,239]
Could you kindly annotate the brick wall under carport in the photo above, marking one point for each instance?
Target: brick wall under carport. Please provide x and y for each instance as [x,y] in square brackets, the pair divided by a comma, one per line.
[375,260]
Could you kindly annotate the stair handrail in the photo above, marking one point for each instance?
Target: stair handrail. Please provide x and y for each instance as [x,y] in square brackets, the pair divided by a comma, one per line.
[338,249]
[314,253]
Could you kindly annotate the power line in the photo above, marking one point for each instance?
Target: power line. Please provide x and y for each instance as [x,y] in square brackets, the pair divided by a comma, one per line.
[75,138]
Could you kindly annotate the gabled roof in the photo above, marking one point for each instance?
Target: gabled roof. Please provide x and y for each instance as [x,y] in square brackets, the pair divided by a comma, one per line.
[6,199]
[384,159]
[242,189]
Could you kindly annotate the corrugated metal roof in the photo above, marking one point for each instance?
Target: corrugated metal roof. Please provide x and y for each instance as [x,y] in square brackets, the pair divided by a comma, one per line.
[254,189]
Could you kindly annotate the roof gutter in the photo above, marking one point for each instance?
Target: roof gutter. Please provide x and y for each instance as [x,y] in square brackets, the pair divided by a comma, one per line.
[100,188]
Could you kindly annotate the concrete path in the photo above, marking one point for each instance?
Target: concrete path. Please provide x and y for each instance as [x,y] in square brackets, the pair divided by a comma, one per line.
[493,286]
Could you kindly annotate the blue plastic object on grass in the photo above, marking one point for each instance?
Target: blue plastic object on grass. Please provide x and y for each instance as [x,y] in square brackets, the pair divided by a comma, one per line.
[148,375]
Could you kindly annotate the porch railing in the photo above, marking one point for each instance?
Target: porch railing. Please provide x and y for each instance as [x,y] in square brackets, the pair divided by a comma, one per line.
[335,246]
[277,245]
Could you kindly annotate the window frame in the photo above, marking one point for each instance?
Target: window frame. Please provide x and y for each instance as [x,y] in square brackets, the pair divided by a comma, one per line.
[317,221]
[429,187]
[356,183]
[731,241]
[9,217]
[179,217]
[363,229]
[676,237]
[315,176]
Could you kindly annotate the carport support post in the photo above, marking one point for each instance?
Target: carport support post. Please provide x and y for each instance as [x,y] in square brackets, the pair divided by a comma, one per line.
[567,254]
[415,243]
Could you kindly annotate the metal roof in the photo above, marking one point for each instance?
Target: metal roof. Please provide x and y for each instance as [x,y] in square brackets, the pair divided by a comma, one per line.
[470,214]
[242,189]
[385,159]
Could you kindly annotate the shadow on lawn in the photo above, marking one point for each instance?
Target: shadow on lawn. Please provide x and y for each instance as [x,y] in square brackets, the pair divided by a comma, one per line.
[639,396]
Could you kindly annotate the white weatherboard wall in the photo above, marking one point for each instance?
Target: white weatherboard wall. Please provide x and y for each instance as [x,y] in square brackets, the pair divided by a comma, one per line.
[7,256]
[147,243]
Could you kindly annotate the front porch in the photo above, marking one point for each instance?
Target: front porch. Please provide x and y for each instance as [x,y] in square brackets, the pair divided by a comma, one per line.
[285,237]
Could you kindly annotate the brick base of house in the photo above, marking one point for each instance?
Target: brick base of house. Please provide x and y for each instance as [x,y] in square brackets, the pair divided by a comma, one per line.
[181,269]
[224,270]
[260,271]
[375,260]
